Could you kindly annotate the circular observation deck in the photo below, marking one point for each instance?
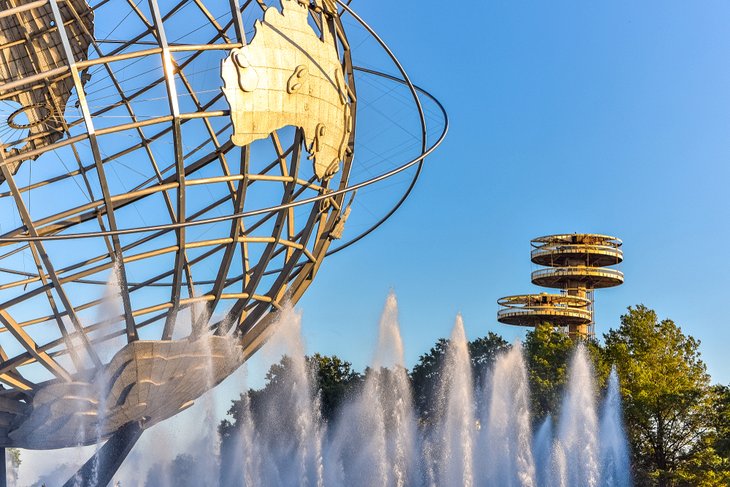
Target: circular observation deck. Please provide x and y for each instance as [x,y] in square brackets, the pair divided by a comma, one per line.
[534,309]
[577,277]
[577,249]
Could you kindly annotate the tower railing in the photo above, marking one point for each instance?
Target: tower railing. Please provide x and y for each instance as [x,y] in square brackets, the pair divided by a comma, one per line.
[575,264]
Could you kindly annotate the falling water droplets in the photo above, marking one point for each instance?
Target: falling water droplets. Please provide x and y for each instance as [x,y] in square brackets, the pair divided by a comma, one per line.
[455,436]
[376,439]
[615,466]
[542,445]
[296,404]
[375,436]
[510,459]
[578,427]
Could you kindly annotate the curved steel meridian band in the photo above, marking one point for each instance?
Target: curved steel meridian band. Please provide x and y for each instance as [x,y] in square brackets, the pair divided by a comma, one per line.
[292,232]
[417,162]
[298,252]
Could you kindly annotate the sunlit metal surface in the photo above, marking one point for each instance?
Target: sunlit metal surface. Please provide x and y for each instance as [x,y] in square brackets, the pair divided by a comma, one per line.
[136,219]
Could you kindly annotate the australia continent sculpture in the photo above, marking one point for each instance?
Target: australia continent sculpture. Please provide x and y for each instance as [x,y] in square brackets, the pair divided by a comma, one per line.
[291,80]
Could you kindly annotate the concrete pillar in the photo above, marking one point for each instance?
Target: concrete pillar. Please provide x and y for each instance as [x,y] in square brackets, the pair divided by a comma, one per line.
[577,331]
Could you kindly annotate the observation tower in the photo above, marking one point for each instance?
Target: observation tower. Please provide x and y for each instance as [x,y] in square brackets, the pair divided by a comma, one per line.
[576,264]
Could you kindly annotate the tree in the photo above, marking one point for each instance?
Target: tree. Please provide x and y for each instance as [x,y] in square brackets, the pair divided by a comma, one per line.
[425,374]
[184,471]
[334,379]
[425,377]
[157,476]
[484,351]
[667,401]
[722,421]
[712,465]
[547,355]
[12,464]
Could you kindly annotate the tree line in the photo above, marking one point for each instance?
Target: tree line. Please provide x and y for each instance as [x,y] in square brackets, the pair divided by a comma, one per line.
[677,421]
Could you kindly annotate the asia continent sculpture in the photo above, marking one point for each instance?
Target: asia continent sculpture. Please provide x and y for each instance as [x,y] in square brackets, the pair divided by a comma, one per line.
[172,173]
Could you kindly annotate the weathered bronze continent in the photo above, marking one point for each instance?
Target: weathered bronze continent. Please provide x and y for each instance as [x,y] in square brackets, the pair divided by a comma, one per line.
[288,75]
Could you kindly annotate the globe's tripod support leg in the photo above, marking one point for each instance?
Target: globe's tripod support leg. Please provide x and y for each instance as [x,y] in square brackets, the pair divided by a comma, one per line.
[3,472]
[99,470]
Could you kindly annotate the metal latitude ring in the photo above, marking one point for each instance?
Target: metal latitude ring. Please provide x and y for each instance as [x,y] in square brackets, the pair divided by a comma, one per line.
[418,161]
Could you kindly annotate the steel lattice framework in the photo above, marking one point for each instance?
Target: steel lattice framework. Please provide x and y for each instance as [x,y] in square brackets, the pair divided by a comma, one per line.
[300,244]
[124,141]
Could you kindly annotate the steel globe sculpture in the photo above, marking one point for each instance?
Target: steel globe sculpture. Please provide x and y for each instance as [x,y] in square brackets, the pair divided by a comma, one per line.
[171,174]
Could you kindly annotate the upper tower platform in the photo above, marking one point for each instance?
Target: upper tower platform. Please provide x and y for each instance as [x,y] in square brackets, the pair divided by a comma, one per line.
[577,249]
[576,264]
[577,261]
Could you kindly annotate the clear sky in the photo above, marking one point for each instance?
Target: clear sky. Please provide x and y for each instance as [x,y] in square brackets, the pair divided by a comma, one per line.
[566,116]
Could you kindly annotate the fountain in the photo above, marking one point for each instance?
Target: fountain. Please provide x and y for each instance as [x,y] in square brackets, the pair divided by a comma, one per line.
[374,440]
[452,443]
[480,436]
[578,425]
[614,453]
[511,458]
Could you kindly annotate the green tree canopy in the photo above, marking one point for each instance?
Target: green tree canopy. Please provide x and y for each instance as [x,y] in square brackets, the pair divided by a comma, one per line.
[425,374]
[424,377]
[334,380]
[722,421]
[484,351]
[667,401]
[547,354]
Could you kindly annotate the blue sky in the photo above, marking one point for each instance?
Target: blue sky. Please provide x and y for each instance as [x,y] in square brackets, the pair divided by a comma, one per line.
[566,116]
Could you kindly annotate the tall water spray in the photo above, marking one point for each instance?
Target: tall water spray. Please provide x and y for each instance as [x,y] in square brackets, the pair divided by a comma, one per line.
[542,445]
[209,440]
[578,427]
[293,423]
[375,438]
[243,465]
[510,459]
[111,307]
[615,463]
[453,443]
